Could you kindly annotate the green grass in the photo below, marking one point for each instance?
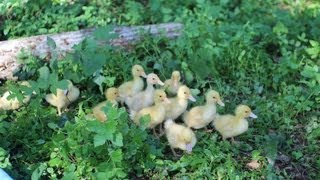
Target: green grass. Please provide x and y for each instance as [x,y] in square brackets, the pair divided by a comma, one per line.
[261,53]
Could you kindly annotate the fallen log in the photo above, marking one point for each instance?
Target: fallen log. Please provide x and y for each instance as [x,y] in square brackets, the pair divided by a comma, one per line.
[37,45]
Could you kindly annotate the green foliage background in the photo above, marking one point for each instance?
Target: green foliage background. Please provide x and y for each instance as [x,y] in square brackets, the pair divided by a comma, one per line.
[264,53]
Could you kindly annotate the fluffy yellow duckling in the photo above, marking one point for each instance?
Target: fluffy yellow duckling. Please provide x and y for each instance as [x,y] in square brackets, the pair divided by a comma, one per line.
[230,126]
[179,136]
[144,98]
[172,85]
[63,97]
[157,112]
[14,103]
[130,88]
[111,94]
[200,116]
[179,104]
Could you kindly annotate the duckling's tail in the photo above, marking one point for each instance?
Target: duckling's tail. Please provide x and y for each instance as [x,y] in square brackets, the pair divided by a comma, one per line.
[132,114]
[168,123]
[49,98]
[89,117]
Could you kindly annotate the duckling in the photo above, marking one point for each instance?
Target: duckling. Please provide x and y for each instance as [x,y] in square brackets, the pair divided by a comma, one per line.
[179,104]
[144,98]
[14,103]
[200,116]
[111,95]
[157,112]
[132,87]
[179,136]
[230,126]
[63,97]
[172,85]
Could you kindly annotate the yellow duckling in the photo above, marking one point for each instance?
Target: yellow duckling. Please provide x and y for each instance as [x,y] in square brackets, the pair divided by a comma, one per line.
[14,103]
[111,95]
[179,136]
[179,104]
[144,98]
[230,126]
[157,112]
[63,97]
[172,85]
[130,88]
[200,116]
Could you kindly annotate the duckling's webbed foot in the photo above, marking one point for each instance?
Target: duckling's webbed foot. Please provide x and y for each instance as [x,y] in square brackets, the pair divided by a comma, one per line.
[233,141]
[59,111]
[174,152]
[155,133]
[161,130]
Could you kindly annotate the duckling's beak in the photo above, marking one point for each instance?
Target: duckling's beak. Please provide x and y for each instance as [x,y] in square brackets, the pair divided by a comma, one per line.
[189,148]
[65,92]
[143,74]
[253,115]
[160,82]
[221,103]
[166,100]
[191,98]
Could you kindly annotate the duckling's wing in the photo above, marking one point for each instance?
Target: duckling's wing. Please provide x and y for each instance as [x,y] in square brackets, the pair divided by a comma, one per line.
[73,94]
[125,89]
[137,102]
[58,101]
[196,113]
[170,108]
[224,123]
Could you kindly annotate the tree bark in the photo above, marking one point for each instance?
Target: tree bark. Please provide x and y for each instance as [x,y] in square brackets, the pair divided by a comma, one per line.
[37,45]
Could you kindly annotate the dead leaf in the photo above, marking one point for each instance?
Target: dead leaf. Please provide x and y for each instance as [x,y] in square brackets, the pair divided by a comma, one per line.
[254,164]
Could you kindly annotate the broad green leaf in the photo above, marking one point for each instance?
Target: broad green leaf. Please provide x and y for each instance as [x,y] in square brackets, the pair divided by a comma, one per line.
[314,43]
[37,173]
[93,62]
[99,139]
[44,74]
[105,33]
[99,80]
[280,28]
[309,71]
[55,162]
[50,42]
[95,126]
[118,140]
[63,84]
[116,156]
[144,121]
[69,176]
[53,126]
[110,128]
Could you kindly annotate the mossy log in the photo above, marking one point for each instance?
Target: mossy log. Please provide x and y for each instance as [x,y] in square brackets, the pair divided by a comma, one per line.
[37,45]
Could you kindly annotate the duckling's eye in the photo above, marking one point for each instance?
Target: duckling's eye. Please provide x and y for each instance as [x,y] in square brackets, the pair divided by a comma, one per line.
[246,111]
[153,79]
[185,92]
[160,96]
[214,97]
